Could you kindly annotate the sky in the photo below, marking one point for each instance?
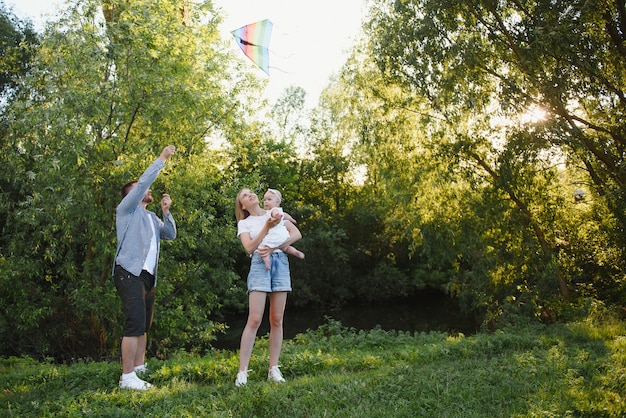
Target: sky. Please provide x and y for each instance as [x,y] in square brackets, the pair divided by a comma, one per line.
[309,41]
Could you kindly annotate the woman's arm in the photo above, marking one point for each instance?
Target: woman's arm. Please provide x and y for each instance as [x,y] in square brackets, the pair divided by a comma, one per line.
[251,244]
[294,234]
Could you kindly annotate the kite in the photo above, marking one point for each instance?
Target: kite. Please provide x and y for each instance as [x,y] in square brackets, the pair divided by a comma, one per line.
[253,39]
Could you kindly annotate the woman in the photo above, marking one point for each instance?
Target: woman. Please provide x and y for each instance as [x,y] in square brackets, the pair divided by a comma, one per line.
[253,224]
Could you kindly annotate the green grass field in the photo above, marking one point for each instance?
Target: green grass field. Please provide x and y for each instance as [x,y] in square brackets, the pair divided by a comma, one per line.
[563,370]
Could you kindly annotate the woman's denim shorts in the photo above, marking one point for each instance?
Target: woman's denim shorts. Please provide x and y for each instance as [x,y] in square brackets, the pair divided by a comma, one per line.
[277,279]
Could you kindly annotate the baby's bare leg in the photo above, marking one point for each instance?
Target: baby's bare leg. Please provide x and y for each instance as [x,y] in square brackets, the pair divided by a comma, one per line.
[267,262]
[293,251]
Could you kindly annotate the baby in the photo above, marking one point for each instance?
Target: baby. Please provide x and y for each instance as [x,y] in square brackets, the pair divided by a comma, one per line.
[278,234]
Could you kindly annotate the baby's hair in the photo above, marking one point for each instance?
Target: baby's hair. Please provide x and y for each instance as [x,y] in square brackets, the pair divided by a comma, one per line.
[277,194]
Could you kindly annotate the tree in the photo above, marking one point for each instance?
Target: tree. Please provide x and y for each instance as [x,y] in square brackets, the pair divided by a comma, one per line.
[482,63]
[288,114]
[17,43]
[101,99]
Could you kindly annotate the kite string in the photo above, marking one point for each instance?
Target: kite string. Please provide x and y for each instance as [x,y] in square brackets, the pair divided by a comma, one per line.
[281,70]
[278,30]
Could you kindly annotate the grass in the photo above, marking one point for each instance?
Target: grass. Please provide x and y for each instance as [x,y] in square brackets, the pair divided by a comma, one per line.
[563,370]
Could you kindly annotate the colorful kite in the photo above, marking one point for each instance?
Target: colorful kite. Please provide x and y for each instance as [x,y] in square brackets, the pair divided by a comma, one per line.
[253,39]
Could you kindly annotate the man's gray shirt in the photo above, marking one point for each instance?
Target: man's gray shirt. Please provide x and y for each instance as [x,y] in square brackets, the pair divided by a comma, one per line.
[133,225]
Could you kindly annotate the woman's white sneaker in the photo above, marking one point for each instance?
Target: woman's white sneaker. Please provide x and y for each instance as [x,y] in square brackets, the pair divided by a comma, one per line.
[242,378]
[133,382]
[275,375]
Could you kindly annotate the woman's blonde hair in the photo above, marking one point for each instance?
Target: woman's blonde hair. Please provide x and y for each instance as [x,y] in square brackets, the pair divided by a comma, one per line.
[240,212]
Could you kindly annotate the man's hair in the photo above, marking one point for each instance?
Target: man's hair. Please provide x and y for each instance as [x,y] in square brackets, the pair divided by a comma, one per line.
[126,188]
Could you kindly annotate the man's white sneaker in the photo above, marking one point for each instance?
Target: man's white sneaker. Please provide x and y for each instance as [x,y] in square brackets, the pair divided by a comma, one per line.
[242,378]
[274,375]
[141,370]
[135,383]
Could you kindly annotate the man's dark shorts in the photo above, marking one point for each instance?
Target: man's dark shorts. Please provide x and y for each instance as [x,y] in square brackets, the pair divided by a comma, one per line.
[137,294]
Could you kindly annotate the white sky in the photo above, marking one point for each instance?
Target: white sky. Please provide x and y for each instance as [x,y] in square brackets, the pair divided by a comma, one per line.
[309,41]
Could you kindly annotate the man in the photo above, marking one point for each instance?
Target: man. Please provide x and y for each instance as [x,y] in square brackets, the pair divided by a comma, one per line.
[139,232]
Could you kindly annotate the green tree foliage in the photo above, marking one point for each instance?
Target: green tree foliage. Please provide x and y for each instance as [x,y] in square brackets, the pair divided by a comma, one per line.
[420,168]
[102,98]
[480,66]
[289,115]
[391,182]
[17,42]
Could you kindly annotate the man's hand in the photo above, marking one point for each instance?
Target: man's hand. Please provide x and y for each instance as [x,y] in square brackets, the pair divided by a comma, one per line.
[166,202]
[167,152]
